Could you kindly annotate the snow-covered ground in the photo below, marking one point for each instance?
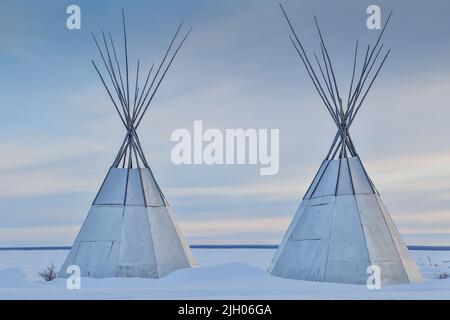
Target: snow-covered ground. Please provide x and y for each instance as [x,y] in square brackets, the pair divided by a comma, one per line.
[222,274]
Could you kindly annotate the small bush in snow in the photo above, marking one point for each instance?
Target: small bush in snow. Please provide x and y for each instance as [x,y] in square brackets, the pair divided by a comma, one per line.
[49,273]
[443,275]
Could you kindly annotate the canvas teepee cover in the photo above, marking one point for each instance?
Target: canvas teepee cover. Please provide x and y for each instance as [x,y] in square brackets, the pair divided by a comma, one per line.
[342,226]
[340,229]
[129,231]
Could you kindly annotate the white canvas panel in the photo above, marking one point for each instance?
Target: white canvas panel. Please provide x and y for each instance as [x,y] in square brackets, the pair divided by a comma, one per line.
[91,257]
[137,271]
[315,222]
[297,260]
[398,241]
[287,234]
[303,253]
[378,238]
[347,242]
[113,188]
[135,189]
[152,194]
[316,179]
[184,244]
[392,272]
[360,180]
[413,272]
[62,273]
[136,244]
[169,250]
[321,200]
[102,223]
[345,185]
[113,259]
[319,263]
[346,272]
[327,184]
[303,205]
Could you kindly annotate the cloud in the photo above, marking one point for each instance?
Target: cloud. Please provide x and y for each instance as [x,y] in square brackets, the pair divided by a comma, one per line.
[413,172]
[35,170]
[22,236]
[21,155]
[270,192]
[218,227]
[429,230]
[16,26]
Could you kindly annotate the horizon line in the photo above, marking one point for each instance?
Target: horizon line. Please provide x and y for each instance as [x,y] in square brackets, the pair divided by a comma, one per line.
[210,246]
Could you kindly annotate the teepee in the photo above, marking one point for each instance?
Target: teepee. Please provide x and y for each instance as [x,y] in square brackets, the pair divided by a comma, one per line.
[129,231]
[342,226]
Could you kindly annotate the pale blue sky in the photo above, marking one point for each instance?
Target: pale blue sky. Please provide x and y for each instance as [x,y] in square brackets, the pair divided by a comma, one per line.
[59,132]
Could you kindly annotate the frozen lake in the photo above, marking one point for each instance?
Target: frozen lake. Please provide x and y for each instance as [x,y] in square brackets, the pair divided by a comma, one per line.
[222,273]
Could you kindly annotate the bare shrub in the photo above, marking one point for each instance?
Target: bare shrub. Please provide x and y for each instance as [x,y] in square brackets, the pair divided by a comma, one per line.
[49,273]
[443,275]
